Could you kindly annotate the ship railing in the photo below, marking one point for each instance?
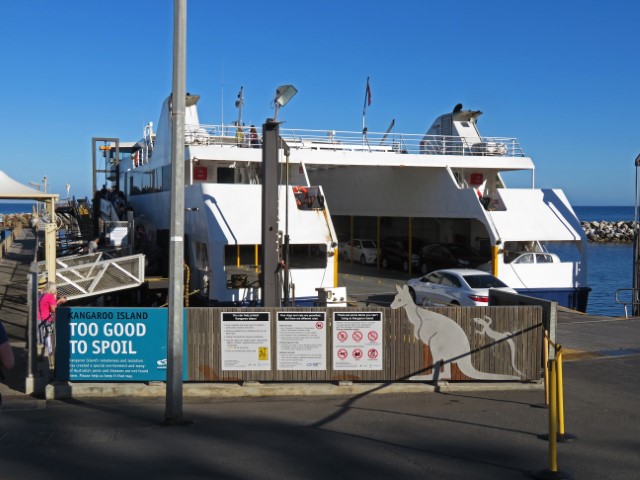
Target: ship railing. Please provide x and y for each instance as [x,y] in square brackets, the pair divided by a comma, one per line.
[337,140]
[628,297]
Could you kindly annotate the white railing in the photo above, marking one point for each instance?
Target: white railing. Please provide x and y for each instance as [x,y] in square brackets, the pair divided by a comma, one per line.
[334,140]
[80,276]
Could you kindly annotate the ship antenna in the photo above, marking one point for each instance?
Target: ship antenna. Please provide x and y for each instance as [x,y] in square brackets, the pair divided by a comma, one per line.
[239,105]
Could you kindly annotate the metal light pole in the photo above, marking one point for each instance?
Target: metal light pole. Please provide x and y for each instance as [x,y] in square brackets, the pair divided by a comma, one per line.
[636,251]
[270,263]
[173,411]
[270,256]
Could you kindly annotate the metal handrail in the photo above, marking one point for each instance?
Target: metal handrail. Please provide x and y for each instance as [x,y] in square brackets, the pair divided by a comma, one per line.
[336,140]
[634,301]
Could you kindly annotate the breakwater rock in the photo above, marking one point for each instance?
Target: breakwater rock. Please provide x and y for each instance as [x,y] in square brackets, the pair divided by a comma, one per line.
[604,231]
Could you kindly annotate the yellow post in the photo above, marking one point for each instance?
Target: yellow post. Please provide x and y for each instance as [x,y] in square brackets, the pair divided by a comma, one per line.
[546,368]
[335,266]
[553,420]
[257,263]
[494,260]
[560,391]
[237,255]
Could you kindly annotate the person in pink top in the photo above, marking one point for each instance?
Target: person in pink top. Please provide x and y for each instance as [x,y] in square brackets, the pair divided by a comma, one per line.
[47,305]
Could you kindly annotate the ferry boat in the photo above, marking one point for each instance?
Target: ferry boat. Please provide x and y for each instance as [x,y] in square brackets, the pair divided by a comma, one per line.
[447,186]
[223,208]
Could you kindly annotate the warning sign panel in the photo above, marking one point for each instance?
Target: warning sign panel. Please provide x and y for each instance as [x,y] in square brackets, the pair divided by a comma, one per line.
[302,341]
[357,342]
[245,341]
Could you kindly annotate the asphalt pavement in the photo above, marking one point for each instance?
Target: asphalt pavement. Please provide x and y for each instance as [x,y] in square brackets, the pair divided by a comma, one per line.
[478,433]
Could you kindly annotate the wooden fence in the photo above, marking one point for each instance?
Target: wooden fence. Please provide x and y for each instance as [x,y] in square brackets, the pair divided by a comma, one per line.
[503,341]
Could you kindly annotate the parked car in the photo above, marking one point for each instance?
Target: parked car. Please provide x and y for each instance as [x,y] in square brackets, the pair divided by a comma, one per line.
[449,255]
[457,286]
[394,252]
[530,258]
[360,250]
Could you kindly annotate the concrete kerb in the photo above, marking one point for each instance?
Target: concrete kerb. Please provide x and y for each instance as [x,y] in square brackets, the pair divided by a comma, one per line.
[66,390]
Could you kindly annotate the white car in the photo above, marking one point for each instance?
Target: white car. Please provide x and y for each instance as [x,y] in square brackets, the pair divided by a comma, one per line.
[529,258]
[456,286]
[360,250]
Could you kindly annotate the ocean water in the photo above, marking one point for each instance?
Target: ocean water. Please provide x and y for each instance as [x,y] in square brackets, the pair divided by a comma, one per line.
[610,264]
[16,207]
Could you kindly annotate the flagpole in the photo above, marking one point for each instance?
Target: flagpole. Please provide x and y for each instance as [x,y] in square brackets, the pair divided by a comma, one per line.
[367,99]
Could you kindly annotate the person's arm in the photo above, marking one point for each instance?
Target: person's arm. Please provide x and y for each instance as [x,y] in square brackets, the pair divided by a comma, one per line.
[6,352]
[6,355]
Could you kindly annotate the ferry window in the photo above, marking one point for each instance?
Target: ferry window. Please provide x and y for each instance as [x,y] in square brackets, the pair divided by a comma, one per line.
[544,258]
[307,256]
[226,175]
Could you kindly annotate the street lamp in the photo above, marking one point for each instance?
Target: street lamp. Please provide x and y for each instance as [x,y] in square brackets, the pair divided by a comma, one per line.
[284,93]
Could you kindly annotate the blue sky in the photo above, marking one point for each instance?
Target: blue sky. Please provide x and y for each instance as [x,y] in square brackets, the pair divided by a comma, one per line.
[560,76]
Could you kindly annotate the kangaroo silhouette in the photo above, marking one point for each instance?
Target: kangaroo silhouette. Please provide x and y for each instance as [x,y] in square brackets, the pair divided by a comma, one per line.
[485,329]
[446,339]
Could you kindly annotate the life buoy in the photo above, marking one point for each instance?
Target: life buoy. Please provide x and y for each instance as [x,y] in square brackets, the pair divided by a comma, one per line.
[136,158]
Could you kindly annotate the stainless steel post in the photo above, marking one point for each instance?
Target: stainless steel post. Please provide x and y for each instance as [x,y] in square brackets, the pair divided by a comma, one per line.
[173,411]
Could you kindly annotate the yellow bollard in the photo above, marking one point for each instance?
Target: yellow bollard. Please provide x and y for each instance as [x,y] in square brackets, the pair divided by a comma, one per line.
[553,420]
[562,436]
[560,392]
[552,472]
[546,368]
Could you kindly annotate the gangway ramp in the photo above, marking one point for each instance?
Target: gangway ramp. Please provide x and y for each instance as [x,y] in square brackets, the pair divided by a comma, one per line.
[82,276]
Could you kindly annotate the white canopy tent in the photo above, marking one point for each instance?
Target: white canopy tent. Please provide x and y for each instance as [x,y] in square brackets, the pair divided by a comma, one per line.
[11,189]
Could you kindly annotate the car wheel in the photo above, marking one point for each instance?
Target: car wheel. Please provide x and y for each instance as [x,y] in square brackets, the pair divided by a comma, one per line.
[412,292]
[455,303]
[405,266]
[423,268]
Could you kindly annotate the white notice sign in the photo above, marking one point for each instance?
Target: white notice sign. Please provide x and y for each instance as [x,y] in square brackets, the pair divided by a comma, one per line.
[245,341]
[357,340]
[302,341]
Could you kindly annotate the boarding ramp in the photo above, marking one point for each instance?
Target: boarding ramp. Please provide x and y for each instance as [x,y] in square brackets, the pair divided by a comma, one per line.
[82,276]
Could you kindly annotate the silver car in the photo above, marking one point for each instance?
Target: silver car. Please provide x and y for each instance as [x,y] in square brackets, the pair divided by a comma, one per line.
[456,286]
[360,250]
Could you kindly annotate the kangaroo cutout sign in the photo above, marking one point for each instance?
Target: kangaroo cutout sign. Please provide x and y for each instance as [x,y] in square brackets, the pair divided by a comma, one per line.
[447,340]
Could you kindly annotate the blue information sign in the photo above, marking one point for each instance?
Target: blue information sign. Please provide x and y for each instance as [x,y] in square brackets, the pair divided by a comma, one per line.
[113,344]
